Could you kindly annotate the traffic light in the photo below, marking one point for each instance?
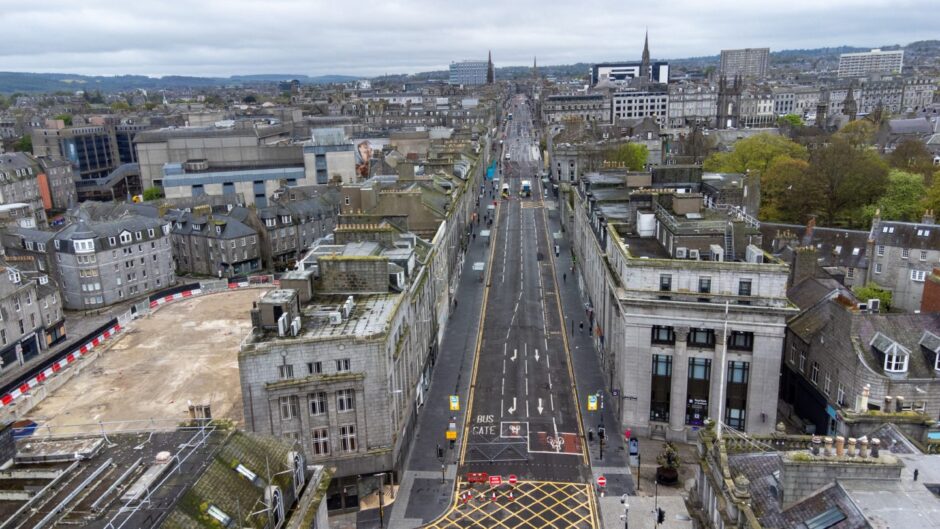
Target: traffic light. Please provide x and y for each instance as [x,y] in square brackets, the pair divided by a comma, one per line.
[660,516]
[601,432]
[452,444]
[440,452]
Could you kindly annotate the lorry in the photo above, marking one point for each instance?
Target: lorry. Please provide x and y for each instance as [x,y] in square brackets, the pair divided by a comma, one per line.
[505,190]
[526,188]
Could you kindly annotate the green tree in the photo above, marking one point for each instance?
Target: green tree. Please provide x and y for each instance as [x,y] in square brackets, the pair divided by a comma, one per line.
[67,118]
[912,155]
[873,291]
[120,106]
[632,155]
[754,154]
[790,119]
[250,99]
[153,193]
[24,144]
[849,179]
[788,194]
[858,133]
[903,199]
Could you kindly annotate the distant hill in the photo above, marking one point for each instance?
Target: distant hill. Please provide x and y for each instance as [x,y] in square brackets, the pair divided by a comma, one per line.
[63,82]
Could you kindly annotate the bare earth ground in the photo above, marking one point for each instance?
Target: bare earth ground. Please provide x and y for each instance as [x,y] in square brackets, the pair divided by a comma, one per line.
[186,351]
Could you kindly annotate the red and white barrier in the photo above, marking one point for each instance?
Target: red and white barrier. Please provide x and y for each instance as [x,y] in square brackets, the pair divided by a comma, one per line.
[55,367]
[174,297]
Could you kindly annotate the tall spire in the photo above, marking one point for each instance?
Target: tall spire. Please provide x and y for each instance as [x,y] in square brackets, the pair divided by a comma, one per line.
[535,67]
[490,72]
[645,65]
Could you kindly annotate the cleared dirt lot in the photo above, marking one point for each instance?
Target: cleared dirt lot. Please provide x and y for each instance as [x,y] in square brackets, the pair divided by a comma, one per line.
[186,351]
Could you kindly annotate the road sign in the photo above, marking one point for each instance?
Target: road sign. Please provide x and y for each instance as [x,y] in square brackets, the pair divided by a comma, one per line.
[496,481]
[477,477]
[512,479]
[451,435]
[601,481]
[455,403]
[592,402]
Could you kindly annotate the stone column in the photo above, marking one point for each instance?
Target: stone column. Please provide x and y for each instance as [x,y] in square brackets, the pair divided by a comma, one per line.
[679,388]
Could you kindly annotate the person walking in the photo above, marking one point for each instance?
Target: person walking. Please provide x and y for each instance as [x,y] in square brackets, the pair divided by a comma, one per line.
[564,277]
[580,325]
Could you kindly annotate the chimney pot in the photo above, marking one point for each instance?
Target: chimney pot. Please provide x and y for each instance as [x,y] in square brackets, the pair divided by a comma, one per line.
[840,446]
[850,451]
[899,403]
[863,448]
[828,442]
[814,448]
[875,446]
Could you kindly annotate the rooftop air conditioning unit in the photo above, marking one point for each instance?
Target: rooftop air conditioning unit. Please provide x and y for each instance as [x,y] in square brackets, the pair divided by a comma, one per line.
[283,324]
[718,253]
[874,305]
[753,254]
[681,252]
[347,307]
[693,254]
[336,318]
[295,326]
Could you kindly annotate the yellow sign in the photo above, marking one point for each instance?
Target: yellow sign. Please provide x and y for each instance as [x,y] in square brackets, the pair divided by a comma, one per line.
[451,435]
[592,402]
[454,403]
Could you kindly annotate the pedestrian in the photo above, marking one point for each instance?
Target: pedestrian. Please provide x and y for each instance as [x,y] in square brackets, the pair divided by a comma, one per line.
[564,277]
[455,303]
[580,325]
[474,236]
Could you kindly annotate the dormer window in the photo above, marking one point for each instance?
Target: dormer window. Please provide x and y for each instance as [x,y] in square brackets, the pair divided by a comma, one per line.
[894,356]
[112,241]
[930,346]
[285,219]
[84,245]
[125,237]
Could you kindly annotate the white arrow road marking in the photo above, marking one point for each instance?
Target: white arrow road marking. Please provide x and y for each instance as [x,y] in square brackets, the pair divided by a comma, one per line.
[513,357]
[540,408]
[512,409]
[536,355]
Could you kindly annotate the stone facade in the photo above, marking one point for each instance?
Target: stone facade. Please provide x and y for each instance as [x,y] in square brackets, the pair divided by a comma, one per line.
[31,317]
[19,183]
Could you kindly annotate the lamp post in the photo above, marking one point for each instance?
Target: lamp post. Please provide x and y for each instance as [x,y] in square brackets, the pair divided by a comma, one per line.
[381,497]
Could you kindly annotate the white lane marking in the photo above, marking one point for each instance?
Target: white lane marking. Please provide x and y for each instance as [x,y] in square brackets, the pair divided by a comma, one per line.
[551,401]
[502,387]
[527,408]
[548,363]
[527,367]
[501,404]
[527,387]
[504,366]
[549,381]
[555,426]
[512,409]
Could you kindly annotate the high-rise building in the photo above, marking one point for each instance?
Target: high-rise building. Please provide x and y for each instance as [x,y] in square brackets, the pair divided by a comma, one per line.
[874,61]
[468,72]
[644,69]
[747,62]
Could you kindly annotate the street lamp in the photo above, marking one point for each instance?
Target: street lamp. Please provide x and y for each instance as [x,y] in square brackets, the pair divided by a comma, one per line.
[626,512]
[381,497]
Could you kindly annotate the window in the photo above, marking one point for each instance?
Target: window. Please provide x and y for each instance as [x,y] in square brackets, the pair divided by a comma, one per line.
[139,235]
[150,232]
[840,395]
[850,273]
[827,384]
[877,268]
[112,241]
[881,250]
[741,341]
[923,255]
[345,400]
[896,363]
[661,386]
[700,368]
[317,403]
[3,336]
[744,287]
[16,303]
[125,237]
[814,373]
[663,335]
[321,442]
[918,275]
[285,372]
[290,407]
[29,298]
[905,253]
[665,282]
[701,338]
[314,368]
[802,361]
[347,438]
[704,285]
[342,365]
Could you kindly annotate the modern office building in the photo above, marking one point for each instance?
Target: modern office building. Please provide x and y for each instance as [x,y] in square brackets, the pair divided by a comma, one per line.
[874,61]
[657,72]
[630,104]
[747,62]
[469,73]
[330,156]
[94,150]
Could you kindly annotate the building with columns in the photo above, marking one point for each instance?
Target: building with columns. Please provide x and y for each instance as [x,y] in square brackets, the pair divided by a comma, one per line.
[688,314]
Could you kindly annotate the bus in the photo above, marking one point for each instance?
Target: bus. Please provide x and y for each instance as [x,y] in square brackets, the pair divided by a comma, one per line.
[526,188]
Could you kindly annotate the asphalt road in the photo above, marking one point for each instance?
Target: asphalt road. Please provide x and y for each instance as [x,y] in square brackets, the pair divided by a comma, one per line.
[523,417]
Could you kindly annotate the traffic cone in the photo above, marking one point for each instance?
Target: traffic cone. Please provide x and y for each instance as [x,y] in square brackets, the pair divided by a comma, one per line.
[494,496]
[511,496]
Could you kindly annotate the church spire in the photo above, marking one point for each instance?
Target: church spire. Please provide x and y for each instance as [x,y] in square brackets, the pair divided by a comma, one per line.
[645,65]
[535,67]
[490,72]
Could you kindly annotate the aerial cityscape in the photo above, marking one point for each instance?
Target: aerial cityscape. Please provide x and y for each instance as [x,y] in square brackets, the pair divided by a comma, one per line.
[295,265]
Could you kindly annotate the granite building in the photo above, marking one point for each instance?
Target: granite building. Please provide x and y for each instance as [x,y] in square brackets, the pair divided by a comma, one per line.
[31,317]
[19,183]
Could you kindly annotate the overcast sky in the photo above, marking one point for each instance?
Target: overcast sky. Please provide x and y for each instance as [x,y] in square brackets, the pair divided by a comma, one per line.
[372,37]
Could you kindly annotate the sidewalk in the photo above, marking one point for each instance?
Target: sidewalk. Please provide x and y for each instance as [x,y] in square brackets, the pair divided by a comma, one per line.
[613,463]
[422,496]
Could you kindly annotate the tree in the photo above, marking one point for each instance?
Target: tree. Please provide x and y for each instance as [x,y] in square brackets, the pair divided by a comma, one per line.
[67,118]
[849,178]
[153,193]
[790,119]
[24,144]
[912,155]
[250,99]
[858,133]
[903,199]
[631,155]
[754,154]
[787,192]
[873,291]
[120,106]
